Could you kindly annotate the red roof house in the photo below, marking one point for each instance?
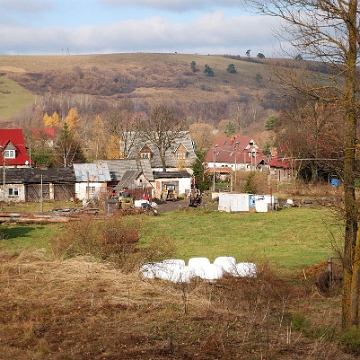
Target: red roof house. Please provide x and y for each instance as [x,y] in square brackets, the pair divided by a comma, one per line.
[12,149]
[235,153]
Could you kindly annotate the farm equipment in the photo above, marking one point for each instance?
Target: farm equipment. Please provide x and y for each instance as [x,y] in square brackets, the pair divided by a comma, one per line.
[127,206]
[169,192]
[195,197]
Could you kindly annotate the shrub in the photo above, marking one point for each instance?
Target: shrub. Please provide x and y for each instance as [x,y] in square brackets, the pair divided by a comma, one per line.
[115,240]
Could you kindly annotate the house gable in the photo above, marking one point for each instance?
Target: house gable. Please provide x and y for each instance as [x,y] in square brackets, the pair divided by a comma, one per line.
[233,151]
[145,152]
[183,140]
[12,146]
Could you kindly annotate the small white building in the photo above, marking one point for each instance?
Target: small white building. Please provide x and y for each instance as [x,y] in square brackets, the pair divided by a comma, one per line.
[91,179]
[181,180]
[233,202]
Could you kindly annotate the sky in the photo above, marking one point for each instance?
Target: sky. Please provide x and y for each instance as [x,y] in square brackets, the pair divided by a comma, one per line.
[58,27]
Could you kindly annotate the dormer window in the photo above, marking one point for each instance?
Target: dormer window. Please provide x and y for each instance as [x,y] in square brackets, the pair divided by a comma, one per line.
[145,155]
[9,154]
[181,155]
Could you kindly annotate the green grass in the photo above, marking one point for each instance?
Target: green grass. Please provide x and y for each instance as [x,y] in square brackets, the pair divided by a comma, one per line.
[12,97]
[290,239]
[18,238]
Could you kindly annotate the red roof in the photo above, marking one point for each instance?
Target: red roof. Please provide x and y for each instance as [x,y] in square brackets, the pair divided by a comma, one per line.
[44,133]
[280,163]
[234,149]
[16,138]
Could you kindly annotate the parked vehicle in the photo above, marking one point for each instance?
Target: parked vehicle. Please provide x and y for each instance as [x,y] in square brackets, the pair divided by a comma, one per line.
[169,192]
[127,206]
[195,197]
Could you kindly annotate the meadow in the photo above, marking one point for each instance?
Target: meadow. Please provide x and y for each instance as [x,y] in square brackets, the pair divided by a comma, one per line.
[290,240]
[63,298]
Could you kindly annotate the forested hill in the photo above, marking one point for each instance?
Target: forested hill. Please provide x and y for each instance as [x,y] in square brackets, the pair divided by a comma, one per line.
[95,84]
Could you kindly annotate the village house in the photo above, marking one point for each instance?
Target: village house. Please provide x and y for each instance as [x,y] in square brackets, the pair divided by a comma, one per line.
[36,184]
[133,176]
[44,137]
[181,180]
[280,167]
[235,153]
[91,180]
[13,149]
[180,156]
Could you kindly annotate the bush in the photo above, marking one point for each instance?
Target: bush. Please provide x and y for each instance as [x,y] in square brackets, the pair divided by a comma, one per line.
[115,240]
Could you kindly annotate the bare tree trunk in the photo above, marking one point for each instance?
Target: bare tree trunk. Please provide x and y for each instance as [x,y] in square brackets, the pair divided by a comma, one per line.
[350,301]
[329,31]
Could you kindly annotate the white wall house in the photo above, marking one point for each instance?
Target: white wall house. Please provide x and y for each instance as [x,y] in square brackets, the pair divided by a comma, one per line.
[181,180]
[91,180]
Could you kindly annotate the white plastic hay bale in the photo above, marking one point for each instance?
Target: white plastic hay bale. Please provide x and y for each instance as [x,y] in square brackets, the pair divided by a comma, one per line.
[149,270]
[197,266]
[182,274]
[212,272]
[246,269]
[171,270]
[174,262]
[227,264]
[198,261]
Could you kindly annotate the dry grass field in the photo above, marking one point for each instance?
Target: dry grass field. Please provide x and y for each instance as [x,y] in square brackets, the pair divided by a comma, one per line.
[81,309]
[143,77]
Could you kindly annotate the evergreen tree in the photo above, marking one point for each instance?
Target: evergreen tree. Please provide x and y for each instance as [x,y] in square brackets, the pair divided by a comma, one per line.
[231,69]
[202,178]
[209,71]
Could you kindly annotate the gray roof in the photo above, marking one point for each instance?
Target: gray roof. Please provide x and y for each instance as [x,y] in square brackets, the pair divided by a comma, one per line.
[171,175]
[95,172]
[128,178]
[183,139]
[119,167]
[36,175]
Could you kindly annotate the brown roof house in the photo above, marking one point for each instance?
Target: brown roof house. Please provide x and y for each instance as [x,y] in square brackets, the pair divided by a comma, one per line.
[234,153]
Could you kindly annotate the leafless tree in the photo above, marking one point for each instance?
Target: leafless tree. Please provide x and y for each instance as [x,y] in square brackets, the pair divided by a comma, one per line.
[162,128]
[328,31]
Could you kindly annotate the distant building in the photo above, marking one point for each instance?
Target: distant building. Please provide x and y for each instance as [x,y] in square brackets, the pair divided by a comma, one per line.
[235,153]
[181,155]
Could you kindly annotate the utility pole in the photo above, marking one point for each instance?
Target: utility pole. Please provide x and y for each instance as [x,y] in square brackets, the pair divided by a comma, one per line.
[214,172]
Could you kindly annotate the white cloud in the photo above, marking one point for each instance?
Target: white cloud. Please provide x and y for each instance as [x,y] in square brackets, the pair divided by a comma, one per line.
[175,5]
[27,6]
[212,33]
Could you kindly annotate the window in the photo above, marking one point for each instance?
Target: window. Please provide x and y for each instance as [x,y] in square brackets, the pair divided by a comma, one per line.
[13,192]
[9,154]
[145,155]
[181,155]
[90,190]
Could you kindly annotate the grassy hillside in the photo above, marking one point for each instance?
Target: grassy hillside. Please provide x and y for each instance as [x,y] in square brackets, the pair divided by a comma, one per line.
[12,97]
[142,77]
